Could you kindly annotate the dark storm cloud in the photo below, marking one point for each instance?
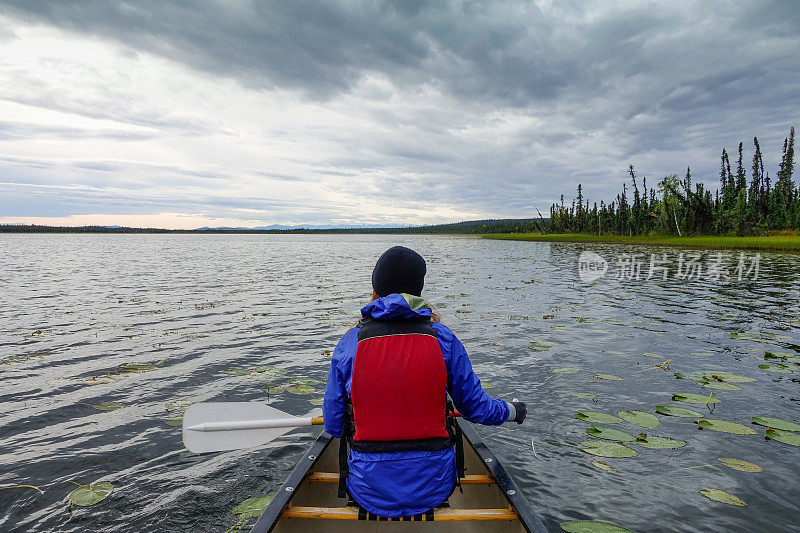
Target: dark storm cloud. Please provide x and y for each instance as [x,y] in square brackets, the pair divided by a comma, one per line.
[661,85]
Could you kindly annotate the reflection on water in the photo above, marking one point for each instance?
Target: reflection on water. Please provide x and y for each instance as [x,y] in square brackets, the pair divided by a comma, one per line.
[154,322]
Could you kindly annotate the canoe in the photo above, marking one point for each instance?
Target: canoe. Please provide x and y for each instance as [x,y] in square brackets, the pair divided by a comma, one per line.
[308,501]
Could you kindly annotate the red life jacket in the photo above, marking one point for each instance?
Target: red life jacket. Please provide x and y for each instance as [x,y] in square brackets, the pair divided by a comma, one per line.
[399,387]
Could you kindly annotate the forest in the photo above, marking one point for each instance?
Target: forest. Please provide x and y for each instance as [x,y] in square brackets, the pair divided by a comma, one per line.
[674,207]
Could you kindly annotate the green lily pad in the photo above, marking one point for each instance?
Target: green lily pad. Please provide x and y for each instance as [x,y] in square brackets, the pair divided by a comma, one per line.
[786,437]
[272,370]
[724,427]
[107,406]
[585,395]
[317,401]
[781,369]
[602,466]
[659,443]
[138,367]
[605,448]
[715,375]
[586,526]
[677,411]
[607,377]
[300,388]
[174,420]
[86,495]
[776,423]
[237,371]
[253,507]
[598,418]
[640,418]
[541,346]
[650,354]
[719,385]
[689,397]
[603,432]
[723,497]
[564,370]
[177,405]
[486,386]
[738,464]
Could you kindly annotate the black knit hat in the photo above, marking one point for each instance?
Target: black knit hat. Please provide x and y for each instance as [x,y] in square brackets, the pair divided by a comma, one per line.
[399,269]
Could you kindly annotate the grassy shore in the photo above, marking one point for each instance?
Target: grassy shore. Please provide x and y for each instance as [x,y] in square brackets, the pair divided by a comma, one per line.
[787,243]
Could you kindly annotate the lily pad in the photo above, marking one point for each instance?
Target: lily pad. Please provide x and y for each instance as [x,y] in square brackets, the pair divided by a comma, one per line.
[776,423]
[603,432]
[677,411]
[107,406]
[300,388]
[177,405]
[306,381]
[253,507]
[564,370]
[541,346]
[607,377]
[715,375]
[719,385]
[602,466]
[659,443]
[689,397]
[640,418]
[86,495]
[723,497]
[237,371]
[786,437]
[174,420]
[738,464]
[138,367]
[598,418]
[724,427]
[780,368]
[604,448]
[586,526]
[585,395]
[701,354]
[317,401]
[650,354]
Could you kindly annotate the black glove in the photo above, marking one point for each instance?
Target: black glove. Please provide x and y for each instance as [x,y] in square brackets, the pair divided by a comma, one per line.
[521,410]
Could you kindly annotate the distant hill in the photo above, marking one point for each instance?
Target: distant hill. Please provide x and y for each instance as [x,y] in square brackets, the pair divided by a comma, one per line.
[504,225]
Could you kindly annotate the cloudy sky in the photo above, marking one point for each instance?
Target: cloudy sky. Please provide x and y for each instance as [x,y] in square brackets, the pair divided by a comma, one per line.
[250,113]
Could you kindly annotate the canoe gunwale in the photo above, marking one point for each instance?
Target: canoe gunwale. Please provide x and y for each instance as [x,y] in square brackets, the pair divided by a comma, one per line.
[530,521]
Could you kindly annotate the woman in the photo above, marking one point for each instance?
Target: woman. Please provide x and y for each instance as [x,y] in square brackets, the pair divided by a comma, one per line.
[387,395]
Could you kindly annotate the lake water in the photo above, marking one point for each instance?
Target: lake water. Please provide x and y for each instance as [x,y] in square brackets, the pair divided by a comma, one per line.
[189,307]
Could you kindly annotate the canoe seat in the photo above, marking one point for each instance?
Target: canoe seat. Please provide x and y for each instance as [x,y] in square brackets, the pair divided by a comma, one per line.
[333,477]
[440,515]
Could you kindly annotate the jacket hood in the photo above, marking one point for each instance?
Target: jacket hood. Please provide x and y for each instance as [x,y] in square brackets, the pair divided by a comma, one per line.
[397,306]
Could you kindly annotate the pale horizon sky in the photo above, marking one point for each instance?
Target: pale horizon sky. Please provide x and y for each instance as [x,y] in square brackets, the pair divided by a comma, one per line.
[198,113]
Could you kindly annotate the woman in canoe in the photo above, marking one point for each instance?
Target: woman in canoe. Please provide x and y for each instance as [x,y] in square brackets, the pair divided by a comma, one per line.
[387,395]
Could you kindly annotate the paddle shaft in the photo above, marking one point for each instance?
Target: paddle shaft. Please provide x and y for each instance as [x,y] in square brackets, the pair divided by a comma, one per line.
[235,425]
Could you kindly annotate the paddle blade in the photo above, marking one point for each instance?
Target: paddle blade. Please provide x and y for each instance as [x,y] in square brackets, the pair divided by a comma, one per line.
[217,441]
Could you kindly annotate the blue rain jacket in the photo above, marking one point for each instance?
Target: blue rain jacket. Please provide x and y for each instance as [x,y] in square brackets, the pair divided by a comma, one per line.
[406,483]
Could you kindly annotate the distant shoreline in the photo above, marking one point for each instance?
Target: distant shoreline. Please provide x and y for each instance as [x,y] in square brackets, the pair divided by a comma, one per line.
[781,243]
[470,227]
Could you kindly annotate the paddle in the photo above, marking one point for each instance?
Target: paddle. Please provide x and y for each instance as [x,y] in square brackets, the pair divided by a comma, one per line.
[216,427]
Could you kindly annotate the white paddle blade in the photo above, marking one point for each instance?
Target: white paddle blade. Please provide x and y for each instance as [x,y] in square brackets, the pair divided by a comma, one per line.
[200,441]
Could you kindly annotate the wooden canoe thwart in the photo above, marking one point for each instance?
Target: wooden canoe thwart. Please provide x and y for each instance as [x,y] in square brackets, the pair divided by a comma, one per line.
[490,502]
